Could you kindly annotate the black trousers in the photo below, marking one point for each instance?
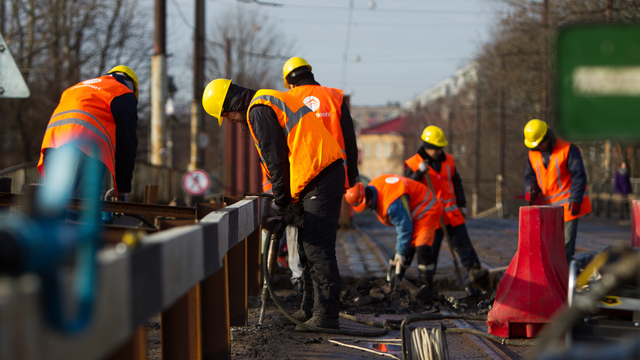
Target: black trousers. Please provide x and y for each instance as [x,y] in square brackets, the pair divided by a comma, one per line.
[461,244]
[321,201]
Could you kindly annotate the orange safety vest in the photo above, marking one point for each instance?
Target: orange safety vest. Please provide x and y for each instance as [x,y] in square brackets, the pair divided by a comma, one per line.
[311,146]
[84,116]
[267,186]
[424,207]
[326,103]
[555,181]
[443,186]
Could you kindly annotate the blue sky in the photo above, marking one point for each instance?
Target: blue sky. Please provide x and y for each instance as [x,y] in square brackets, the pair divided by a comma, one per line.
[403,46]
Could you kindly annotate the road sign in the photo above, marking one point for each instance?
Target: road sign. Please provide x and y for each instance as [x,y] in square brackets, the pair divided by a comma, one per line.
[12,83]
[196,182]
[599,82]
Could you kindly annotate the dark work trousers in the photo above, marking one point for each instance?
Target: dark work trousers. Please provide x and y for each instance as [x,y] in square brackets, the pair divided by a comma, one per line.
[461,244]
[321,201]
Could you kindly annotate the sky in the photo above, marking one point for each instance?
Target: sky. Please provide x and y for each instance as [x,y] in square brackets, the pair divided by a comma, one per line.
[393,51]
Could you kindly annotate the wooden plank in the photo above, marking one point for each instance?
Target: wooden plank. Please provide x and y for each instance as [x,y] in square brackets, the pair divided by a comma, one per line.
[134,349]
[254,266]
[237,264]
[181,330]
[216,328]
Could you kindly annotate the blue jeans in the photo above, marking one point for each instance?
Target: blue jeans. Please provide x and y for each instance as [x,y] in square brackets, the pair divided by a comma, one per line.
[570,233]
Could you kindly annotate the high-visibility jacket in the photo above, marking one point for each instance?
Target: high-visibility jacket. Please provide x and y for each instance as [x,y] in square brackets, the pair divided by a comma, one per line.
[424,207]
[325,102]
[311,146]
[267,186]
[555,179]
[443,186]
[84,116]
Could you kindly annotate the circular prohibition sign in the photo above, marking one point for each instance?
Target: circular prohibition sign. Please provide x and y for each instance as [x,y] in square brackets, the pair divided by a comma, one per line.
[196,182]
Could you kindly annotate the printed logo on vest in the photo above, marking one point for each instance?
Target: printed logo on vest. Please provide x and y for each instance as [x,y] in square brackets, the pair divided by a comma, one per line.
[312,102]
[91,81]
[392,180]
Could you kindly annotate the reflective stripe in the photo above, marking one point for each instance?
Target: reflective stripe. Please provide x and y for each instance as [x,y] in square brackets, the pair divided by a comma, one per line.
[426,267]
[110,142]
[449,179]
[448,201]
[564,201]
[293,117]
[89,126]
[558,173]
[451,208]
[556,195]
[429,205]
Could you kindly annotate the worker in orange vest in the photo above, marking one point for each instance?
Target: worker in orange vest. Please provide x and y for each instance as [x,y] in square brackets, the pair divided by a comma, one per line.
[305,166]
[414,211]
[440,166]
[555,172]
[331,108]
[101,111]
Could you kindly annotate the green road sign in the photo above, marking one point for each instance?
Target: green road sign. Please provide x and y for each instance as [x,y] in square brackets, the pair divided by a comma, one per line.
[598,68]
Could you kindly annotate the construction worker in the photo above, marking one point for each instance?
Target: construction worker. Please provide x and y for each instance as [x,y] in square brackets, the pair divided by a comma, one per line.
[305,166]
[431,159]
[330,107]
[555,171]
[414,211]
[101,111]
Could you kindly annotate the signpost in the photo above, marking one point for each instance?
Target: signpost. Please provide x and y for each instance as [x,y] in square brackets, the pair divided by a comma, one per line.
[196,182]
[599,82]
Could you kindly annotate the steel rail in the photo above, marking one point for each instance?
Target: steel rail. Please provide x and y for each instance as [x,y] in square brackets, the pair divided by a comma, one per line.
[183,212]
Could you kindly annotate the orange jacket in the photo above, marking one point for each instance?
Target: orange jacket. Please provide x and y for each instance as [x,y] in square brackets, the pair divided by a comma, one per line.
[443,186]
[325,102]
[555,181]
[424,207]
[84,116]
[311,146]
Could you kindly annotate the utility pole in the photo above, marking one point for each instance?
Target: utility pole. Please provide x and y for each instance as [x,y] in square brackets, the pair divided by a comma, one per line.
[607,144]
[197,117]
[476,185]
[545,70]
[159,84]
[230,133]
[502,129]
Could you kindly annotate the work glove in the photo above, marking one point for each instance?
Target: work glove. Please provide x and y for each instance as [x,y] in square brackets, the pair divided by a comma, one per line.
[277,210]
[397,268]
[574,207]
[463,210]
[423,166]
[400,259]
[110,195]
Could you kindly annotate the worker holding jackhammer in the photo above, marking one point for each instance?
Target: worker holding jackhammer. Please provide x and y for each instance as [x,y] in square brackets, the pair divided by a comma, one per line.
[431,160]
[556,172]
[412,209]
[305,166]
[330,107]
[101,111]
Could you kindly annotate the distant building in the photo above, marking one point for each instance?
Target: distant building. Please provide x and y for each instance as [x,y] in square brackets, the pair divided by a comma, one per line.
[367,116]
[384,147]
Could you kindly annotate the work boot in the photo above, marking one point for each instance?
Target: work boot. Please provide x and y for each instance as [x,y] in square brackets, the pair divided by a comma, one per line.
[478,275]
[299,315]
[320,322]
[424,293]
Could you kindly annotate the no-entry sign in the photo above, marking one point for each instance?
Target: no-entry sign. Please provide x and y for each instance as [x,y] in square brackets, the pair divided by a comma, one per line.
[196,182]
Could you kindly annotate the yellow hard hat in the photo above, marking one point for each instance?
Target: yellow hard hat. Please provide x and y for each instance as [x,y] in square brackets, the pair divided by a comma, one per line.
[534,133]
[355,197]
[434,136]
[130,73]
[292,64]
[213,97]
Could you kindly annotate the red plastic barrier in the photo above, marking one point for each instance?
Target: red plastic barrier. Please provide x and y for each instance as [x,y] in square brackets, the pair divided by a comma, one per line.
[535,284]
[635,224]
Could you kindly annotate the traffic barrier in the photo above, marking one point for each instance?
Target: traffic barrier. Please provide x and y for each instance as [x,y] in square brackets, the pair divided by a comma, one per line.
[534,286]
[635,224]
[195,275]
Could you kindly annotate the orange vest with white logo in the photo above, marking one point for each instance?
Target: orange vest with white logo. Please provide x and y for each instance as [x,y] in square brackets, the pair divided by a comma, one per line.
[325,102]
[555,179]
[311,146]
[84,116]
[424,207]
[443,186]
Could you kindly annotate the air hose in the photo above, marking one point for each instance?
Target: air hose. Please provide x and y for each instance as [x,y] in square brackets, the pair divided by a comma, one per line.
[267,281]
